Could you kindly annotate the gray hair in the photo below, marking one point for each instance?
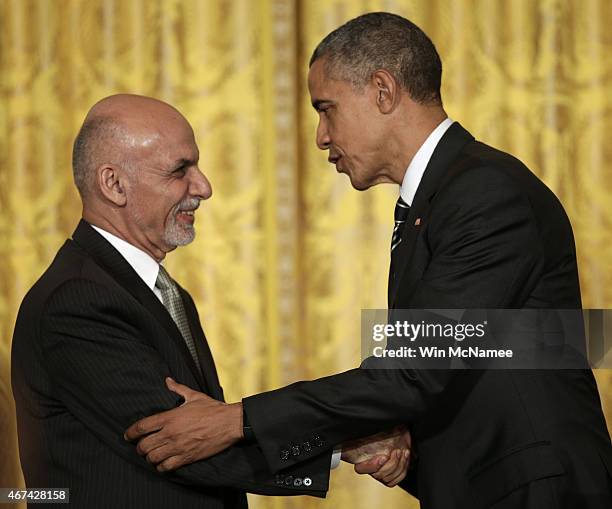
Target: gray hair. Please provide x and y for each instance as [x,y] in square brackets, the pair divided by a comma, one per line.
[94,145]
[380,40]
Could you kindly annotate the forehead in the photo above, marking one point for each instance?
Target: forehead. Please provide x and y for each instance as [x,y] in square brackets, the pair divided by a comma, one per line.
[169,143]
[325,88]
[178,134]
[318,82]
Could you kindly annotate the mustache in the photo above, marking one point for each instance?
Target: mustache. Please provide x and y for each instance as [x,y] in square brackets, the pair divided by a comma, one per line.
[188,204]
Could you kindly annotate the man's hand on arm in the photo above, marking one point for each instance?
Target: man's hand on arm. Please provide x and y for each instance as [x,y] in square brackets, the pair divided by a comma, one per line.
[201,427]
[385,456]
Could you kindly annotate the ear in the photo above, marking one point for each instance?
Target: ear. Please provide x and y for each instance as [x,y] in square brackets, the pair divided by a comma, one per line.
[387,91]
[111,182]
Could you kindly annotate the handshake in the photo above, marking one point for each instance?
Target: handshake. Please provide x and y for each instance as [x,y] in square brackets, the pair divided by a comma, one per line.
[202,427]
[385,456]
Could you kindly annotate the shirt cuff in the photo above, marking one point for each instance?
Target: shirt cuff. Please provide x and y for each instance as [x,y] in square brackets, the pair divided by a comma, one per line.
[335,459]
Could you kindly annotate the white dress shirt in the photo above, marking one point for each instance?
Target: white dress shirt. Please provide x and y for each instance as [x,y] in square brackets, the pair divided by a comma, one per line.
[144,265]
[416,168]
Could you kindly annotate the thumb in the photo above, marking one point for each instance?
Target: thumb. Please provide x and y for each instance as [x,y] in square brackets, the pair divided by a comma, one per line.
[180,389]
[372,465]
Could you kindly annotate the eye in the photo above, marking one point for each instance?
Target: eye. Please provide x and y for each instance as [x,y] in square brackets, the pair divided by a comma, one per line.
[180,171]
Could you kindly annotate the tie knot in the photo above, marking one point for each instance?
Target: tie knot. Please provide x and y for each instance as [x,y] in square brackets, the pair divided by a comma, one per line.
[163,281]
[401,210]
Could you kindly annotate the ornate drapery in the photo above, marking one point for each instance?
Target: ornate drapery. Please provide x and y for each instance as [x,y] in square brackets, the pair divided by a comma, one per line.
[287,252]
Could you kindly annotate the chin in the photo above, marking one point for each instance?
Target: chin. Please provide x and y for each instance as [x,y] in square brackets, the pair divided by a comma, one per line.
[179,236]
[359,185]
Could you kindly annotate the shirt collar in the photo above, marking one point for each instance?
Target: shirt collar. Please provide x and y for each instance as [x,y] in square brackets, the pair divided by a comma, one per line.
[144,265]
[416,168]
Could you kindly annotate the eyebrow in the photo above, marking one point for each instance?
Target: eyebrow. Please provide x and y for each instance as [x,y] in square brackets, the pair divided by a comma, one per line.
[179,163]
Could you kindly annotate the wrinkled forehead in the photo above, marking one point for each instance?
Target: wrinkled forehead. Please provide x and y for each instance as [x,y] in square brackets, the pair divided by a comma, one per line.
[168,138]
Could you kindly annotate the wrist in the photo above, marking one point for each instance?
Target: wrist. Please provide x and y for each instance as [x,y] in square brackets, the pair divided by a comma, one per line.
[247,430]
[237,431]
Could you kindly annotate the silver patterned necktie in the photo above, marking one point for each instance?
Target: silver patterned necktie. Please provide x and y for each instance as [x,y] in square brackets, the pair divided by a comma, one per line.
[401,213]
[174,304]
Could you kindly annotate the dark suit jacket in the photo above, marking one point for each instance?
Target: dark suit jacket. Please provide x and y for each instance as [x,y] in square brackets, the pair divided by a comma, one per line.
[491,235]
[91,349]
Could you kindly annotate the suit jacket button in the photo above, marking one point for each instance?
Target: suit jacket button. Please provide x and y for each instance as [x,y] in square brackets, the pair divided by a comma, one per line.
[280,479]
[284,454]
[318,441]
[297,482]
[295,450]
[289,480]
[307,481]
[306,446]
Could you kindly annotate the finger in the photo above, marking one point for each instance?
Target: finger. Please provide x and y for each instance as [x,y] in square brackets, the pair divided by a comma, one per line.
[398,479]
[400,472]
[172,463]
[389,467]
[182,390]
[145,426]
[400,464]
[372,465]
[160,454]
[150,442]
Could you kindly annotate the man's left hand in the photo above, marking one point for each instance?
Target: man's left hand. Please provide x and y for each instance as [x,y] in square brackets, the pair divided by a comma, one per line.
[201,427]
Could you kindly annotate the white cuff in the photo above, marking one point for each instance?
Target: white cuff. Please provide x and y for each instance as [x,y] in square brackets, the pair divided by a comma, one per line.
[335,459]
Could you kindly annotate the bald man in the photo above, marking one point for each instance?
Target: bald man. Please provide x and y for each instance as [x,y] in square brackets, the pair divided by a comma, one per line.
[104,326]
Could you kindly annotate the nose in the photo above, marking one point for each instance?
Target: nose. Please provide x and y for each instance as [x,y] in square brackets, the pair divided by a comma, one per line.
[199,185]
[323,138]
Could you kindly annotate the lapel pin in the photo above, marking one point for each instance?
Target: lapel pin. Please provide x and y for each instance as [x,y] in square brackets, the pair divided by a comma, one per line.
[417,222]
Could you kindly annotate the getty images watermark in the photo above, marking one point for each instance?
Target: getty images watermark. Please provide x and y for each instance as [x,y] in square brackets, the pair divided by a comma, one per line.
[486,338]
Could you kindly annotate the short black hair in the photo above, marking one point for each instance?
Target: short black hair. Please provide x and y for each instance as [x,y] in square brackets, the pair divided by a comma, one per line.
[381,40]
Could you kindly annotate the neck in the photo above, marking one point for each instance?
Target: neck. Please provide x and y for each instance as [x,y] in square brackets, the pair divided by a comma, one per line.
[413,129]
[119,228]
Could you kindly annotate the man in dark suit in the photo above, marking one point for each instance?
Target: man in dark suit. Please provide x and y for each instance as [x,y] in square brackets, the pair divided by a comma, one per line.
[105,325]
[474,228]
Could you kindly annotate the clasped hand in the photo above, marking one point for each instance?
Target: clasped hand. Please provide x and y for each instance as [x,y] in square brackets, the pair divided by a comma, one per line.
[385,456]
[202,427]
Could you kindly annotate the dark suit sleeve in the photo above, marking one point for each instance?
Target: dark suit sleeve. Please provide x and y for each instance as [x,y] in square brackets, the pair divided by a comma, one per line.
[484,250]
[109,377]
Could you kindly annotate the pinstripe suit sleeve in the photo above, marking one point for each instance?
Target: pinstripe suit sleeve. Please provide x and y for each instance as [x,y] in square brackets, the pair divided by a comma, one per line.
[109,376]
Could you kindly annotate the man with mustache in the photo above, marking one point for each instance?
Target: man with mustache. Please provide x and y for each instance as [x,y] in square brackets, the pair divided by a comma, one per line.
[474,228]
[105,324]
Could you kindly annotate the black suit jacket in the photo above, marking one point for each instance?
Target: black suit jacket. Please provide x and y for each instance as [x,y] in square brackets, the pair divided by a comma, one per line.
[489,235]
[91,349]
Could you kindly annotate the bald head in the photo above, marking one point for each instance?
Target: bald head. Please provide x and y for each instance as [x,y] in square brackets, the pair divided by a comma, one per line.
[117,131]
[136,167]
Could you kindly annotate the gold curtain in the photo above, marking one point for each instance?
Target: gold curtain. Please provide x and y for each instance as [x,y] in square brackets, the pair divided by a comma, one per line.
[288,253]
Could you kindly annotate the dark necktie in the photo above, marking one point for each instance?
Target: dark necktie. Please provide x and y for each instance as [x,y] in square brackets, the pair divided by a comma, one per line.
[174,304]
[401,213]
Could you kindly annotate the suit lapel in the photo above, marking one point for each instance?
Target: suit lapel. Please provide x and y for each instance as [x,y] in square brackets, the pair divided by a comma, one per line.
[110,259]
[449,147]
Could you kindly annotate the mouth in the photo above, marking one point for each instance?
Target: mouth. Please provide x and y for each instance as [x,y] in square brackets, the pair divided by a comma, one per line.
[334,160]
[186,216]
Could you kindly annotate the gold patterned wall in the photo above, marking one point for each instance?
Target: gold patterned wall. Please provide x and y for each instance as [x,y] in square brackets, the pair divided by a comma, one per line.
[287,252]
